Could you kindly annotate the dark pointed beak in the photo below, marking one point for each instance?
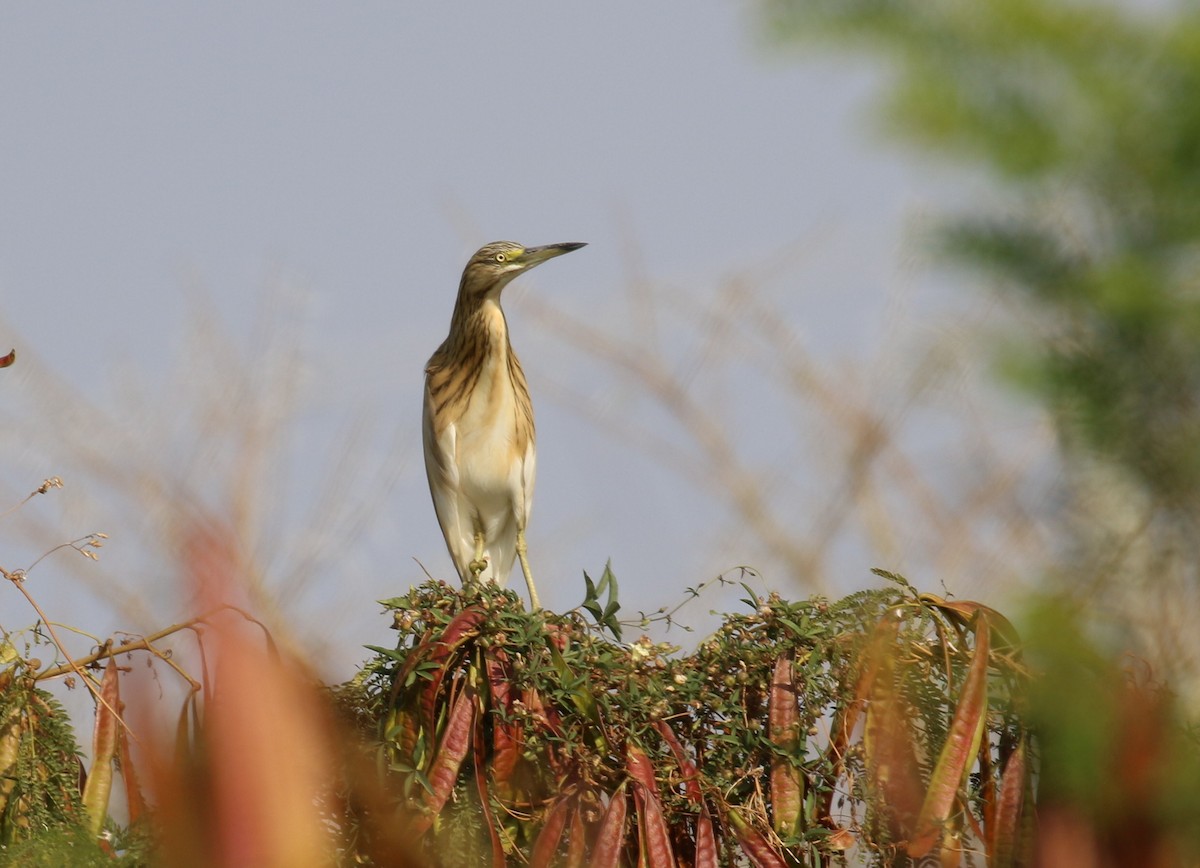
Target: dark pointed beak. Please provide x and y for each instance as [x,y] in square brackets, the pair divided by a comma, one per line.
[537,255]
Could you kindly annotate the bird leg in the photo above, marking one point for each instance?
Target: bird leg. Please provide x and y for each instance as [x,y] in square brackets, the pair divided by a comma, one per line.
[480,563]
[533,597]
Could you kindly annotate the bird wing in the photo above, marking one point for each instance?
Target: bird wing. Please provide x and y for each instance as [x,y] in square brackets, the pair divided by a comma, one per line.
[442,471]
[524,501]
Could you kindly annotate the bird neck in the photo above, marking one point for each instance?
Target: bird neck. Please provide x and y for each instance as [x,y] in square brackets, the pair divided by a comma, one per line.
[478,326]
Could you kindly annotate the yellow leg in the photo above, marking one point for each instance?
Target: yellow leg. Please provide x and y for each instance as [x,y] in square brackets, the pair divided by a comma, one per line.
[480,563]
[533,597]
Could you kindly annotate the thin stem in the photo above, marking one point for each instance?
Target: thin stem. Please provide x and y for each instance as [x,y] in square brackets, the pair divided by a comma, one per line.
[52,482]
[18,579]
[142,644]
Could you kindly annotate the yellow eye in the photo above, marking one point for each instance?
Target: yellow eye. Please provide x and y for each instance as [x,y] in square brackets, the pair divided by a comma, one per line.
[500,257]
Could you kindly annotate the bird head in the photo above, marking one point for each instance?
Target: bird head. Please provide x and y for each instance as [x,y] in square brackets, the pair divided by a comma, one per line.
[495,264]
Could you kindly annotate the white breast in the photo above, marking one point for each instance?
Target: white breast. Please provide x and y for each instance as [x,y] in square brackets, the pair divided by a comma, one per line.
[487,459]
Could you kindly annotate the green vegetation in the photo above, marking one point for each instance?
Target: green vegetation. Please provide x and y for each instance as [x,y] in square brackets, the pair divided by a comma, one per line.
[39,762]
[871,730]
[876,729]
[1083,118]
[879,724]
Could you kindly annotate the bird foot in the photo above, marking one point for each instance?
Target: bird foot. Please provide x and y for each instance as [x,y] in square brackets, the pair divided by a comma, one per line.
[477,567]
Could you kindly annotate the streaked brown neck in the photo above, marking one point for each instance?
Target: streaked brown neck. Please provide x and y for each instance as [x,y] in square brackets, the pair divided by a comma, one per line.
[477,327]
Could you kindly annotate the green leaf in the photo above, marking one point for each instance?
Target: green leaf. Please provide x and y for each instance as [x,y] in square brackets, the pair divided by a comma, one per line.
[420,778]
[391,653]
[604,617]
[591,598]
[754,602]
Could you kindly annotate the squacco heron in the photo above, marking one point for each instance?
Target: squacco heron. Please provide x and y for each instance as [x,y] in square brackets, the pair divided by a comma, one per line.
[478,422]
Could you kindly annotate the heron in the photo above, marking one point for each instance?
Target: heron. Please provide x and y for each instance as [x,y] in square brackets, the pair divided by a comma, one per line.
[478,431]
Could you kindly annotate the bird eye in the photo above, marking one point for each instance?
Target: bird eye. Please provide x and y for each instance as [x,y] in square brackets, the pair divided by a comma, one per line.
[500,257]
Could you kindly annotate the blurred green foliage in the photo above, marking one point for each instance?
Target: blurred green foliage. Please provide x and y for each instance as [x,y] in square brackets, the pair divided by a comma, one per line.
[1086,115]
[1084,120]
[1117,752]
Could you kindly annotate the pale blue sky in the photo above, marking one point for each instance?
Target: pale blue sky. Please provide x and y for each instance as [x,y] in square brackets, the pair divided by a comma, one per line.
[360,152]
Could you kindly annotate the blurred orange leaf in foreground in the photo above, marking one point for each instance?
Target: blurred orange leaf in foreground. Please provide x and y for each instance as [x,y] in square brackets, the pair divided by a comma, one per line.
[247,781]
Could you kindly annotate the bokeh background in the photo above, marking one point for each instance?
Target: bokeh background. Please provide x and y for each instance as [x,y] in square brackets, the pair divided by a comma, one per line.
[231,235]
